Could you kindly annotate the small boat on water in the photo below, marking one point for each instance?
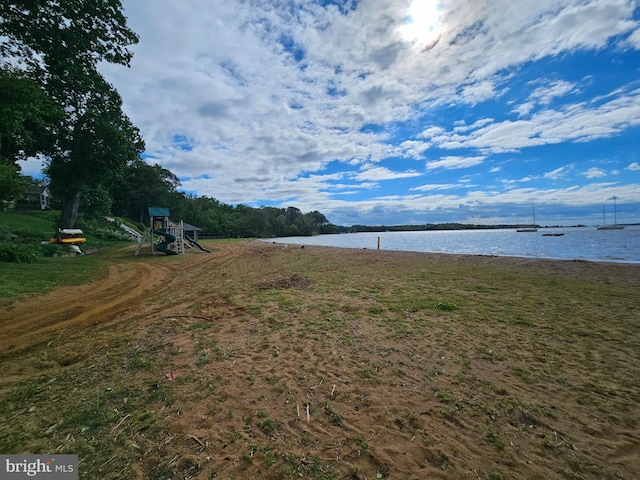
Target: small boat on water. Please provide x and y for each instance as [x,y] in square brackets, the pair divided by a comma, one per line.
[552,234]
[615,225]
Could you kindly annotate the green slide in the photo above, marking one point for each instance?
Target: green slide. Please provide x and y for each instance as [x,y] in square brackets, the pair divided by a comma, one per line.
[164,245]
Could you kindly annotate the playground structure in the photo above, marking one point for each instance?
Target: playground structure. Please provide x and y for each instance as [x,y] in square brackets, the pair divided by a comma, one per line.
[166,236]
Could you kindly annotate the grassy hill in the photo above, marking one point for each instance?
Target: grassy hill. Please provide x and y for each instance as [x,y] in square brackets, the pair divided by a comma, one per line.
[24,232]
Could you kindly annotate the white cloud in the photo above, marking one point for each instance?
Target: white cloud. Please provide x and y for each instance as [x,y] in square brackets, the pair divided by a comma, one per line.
[382,173]
[635,166]
[545,94]
[430,187]
[454,162]
[595,172]
[633,40]
[556,174]
[579,122]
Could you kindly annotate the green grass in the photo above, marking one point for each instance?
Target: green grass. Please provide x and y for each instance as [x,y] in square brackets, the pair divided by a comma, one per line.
[33,224]
[47,273]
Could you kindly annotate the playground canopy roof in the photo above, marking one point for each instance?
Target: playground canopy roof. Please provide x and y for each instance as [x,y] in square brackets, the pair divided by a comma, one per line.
[187,227]
[158,212]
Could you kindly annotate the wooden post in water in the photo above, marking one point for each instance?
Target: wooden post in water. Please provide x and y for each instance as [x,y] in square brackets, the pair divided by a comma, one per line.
[378,243]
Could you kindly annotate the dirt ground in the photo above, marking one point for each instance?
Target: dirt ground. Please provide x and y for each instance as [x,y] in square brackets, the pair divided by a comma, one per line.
[258,361]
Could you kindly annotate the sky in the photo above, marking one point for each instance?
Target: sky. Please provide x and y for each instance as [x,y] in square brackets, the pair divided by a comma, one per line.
[388,112]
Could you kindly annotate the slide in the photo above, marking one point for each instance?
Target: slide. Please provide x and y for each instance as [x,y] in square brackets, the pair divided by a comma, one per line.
[193,242]
[164,245]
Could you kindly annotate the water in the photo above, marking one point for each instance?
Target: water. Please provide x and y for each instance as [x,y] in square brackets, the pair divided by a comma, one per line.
[585,243]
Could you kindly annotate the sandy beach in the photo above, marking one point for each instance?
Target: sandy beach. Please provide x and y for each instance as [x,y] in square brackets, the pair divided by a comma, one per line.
[258,361]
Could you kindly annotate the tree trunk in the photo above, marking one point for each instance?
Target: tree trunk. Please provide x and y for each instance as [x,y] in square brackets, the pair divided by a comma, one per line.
[70,210]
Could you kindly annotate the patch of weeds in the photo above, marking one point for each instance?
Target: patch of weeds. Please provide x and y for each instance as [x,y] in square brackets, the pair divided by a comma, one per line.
[364,398]
[408,422]
[428,442]
[446,306]
[522,373]
[444,460]
[430,377]
[360,442]
[451,414]
[269,426]
[249,453]
[306,439]
[334,417]
[520,320]
[383,472]
[486,353]
[90,418]
[203,360]
[137,361]
[445,396]
[269,457]
[292,466]
[492,438]
[484,289]
[197,326]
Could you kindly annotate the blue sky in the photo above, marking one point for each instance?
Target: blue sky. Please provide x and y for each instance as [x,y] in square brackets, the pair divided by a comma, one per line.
[394,111]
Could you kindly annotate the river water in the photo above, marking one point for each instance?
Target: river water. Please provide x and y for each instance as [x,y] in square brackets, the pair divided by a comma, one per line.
[578,243]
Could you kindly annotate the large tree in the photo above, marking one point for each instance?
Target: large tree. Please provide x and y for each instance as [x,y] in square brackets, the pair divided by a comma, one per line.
[29,119]
[140,186]
[59,44]
[100,144]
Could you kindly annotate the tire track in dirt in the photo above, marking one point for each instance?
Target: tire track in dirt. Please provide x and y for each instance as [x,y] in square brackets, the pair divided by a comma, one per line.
[31,321]
[128,288]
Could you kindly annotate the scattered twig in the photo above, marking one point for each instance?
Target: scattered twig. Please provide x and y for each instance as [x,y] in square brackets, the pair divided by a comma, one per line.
[307,413]
[120,422]
[189,316]
[315,386]
[109,461]
[196,439]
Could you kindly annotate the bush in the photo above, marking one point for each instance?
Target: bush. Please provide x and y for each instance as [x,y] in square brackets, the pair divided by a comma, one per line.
[110,234]
[11,252]
[52,249]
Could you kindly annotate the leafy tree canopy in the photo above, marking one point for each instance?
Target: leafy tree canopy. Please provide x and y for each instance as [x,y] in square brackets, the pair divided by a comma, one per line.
[29,119]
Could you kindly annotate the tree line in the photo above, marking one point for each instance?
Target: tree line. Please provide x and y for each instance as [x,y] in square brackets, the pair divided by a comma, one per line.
[57,106]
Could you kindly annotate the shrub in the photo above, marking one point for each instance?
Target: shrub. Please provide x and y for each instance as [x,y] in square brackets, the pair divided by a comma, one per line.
[111,234]
[52,249]
[11,252]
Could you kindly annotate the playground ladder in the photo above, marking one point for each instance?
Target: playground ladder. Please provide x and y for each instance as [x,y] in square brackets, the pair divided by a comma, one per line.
[141,242]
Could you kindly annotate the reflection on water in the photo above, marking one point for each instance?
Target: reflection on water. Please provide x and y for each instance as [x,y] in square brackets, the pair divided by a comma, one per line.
[583,243]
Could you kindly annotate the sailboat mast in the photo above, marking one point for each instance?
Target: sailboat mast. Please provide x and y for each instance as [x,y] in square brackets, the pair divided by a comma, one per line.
[533,209]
